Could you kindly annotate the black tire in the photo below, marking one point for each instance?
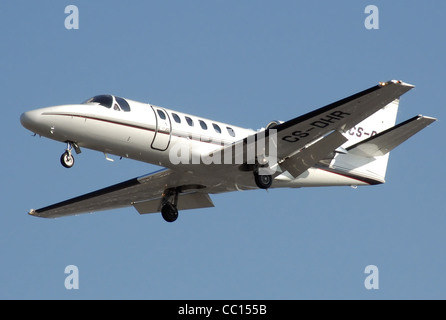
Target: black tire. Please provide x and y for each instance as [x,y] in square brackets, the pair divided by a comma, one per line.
[67,160]
[263,181]
[169,212]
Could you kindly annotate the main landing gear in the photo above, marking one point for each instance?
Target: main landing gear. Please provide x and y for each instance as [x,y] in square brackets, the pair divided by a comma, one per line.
[67,159]
[169,204]
[263,181]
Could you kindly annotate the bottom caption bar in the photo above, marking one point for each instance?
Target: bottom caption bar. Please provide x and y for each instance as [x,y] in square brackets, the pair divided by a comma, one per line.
[222,309]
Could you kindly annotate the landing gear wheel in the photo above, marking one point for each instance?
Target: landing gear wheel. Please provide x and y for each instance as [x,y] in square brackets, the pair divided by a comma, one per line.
[263,181]
[67,159]
[169,212]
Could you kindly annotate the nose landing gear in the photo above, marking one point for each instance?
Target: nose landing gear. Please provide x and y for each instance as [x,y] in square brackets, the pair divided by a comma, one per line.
[67,159]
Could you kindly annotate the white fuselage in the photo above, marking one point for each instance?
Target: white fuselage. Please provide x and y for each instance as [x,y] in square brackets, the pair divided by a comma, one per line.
[150,134]
[140,134]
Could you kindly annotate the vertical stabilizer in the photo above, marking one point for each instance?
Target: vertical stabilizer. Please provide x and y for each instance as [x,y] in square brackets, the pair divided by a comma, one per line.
[373,168]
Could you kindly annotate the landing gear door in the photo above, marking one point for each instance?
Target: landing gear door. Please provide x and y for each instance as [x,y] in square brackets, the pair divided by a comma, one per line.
[161,139]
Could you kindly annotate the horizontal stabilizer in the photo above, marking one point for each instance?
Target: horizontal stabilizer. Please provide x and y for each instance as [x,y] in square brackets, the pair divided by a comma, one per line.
[186,201]
[387,140]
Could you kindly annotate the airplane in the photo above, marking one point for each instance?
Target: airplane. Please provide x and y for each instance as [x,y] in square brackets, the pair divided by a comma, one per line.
[345,143]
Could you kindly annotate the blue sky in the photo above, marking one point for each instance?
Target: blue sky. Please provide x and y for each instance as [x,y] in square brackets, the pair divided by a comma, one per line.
[240,62]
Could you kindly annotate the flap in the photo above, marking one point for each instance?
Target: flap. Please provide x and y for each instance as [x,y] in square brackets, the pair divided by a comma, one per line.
[308,157]
[186,201]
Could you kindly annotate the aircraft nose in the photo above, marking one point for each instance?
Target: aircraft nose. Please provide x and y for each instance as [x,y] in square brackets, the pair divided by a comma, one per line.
[30,119]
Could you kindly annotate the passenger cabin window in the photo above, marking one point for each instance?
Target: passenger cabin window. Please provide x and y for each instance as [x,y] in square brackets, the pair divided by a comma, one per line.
[203,125]
[190,121]
[216,128]
[231,131]
[110,102]
[176,118]
[161,114]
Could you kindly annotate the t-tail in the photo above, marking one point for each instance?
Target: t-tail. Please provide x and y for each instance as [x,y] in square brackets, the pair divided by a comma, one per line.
[366,153]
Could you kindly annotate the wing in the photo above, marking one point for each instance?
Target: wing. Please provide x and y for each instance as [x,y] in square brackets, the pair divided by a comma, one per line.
[144,193]
[292,136]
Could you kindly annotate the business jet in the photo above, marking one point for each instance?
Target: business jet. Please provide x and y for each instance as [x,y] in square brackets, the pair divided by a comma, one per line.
[345,143]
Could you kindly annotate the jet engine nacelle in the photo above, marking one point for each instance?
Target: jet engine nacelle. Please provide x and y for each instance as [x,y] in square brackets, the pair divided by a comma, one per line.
[273,124]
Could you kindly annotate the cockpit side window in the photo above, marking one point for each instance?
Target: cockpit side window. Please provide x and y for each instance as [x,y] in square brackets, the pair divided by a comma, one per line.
[123,104]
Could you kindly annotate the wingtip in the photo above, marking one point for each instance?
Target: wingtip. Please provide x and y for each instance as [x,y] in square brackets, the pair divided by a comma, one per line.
[430,119]
[405,84]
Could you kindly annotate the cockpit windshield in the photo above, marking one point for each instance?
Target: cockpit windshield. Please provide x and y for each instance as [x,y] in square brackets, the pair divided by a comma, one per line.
[111,102]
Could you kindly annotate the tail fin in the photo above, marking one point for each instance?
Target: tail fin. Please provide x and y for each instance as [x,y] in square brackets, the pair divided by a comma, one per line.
[366,154]
[378,122]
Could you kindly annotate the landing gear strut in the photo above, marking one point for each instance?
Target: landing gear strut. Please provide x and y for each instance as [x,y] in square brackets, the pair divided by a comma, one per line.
[169,203]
